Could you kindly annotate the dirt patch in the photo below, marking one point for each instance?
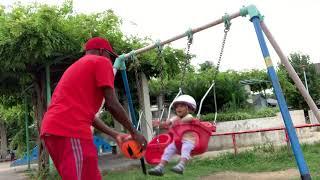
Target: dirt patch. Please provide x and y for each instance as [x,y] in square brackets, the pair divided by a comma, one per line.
[9,173]
[276,175]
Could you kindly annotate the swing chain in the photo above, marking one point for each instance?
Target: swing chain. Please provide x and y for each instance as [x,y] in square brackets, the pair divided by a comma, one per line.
[227,25]
[161,64]
[188,57]
[162,76]
[226,30]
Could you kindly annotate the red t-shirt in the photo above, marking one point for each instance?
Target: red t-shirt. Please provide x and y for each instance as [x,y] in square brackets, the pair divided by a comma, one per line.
[78,97]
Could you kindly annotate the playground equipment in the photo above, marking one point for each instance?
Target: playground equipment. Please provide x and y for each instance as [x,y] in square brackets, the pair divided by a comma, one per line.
[33,157]
[202,132]
[257,19]
[199,129]
[101,144]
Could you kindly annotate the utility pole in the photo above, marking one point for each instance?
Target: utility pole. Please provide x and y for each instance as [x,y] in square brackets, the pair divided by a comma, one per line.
[305,77]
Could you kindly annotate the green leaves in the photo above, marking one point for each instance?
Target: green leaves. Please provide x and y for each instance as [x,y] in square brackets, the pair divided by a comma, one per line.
[228,89]
[33,35]
[36,33]
[301,63]
[11,114]
[240,114]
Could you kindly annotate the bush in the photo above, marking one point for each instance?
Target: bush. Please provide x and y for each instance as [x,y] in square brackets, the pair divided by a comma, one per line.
[241,114]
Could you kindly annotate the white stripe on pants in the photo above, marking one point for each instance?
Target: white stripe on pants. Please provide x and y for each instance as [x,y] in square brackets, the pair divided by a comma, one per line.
[78,156]
[171,149]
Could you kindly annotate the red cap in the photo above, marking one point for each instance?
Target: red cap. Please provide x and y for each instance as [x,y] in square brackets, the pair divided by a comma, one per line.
[99,43]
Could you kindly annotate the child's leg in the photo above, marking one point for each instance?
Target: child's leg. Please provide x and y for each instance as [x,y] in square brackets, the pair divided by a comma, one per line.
[167,155]
[187,147]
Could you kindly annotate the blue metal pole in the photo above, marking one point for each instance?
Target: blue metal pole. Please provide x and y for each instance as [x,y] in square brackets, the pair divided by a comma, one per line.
[303,168]
[128,94]
[132,112]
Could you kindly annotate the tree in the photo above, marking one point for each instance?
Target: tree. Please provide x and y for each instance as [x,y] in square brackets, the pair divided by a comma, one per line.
[300,63]
[37,35]
[3,135]
[230,93]
[11,124]
[206,66]
[34,35]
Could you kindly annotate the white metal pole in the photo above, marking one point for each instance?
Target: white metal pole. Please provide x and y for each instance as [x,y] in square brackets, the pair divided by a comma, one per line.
[305,80]
[195,30]
[203,98]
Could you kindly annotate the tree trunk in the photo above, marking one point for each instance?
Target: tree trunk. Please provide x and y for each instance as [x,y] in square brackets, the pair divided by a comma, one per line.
[39,103]
[3,136]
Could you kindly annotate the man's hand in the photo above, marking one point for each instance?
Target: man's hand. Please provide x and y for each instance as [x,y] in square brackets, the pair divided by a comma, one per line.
[120,138]
[140,139]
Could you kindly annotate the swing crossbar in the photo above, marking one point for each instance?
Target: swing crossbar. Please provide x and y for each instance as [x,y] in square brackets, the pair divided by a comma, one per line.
[195,30]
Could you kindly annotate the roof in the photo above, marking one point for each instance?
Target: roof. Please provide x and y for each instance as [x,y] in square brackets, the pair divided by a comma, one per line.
[272,101]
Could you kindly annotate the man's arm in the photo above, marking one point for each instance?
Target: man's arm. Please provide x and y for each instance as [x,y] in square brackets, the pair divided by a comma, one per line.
[101,126]
[115,108]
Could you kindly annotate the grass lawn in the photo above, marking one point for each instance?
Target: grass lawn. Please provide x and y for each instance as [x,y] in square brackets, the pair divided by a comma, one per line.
[261,159]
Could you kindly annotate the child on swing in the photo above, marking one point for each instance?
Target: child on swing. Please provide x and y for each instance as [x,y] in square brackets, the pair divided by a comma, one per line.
[183,106]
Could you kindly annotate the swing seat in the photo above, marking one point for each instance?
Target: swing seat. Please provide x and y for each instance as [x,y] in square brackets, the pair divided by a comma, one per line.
[157,145]
[201,130]
[155,148]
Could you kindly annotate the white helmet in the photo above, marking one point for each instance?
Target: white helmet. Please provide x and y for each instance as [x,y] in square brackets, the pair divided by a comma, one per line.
[187,100]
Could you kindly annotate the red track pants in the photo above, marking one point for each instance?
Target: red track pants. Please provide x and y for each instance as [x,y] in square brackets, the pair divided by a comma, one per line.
[75,159]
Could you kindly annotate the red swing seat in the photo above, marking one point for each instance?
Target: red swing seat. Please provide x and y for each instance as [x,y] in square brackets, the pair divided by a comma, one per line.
[155,148]
[157,145]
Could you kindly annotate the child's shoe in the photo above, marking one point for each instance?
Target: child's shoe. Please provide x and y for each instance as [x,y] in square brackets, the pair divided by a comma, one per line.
[157,171]
[179,168]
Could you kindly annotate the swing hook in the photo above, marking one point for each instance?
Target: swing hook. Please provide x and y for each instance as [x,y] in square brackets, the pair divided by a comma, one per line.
[227,22]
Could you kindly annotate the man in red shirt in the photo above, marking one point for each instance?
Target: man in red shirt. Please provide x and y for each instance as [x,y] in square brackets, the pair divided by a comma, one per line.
[65,127]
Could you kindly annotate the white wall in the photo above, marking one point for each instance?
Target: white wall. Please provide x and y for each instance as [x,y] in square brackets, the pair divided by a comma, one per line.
[312,117]
[243,140]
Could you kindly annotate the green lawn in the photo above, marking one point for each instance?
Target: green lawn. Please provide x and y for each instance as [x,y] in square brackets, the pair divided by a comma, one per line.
[265,158]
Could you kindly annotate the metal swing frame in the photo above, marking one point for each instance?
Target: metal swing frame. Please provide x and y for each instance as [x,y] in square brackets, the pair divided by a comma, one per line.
[261,29]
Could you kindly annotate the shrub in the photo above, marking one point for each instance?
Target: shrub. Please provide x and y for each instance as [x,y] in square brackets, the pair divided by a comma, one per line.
[241,114]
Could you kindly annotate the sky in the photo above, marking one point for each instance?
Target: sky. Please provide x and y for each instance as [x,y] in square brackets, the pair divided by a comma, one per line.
[293,23]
